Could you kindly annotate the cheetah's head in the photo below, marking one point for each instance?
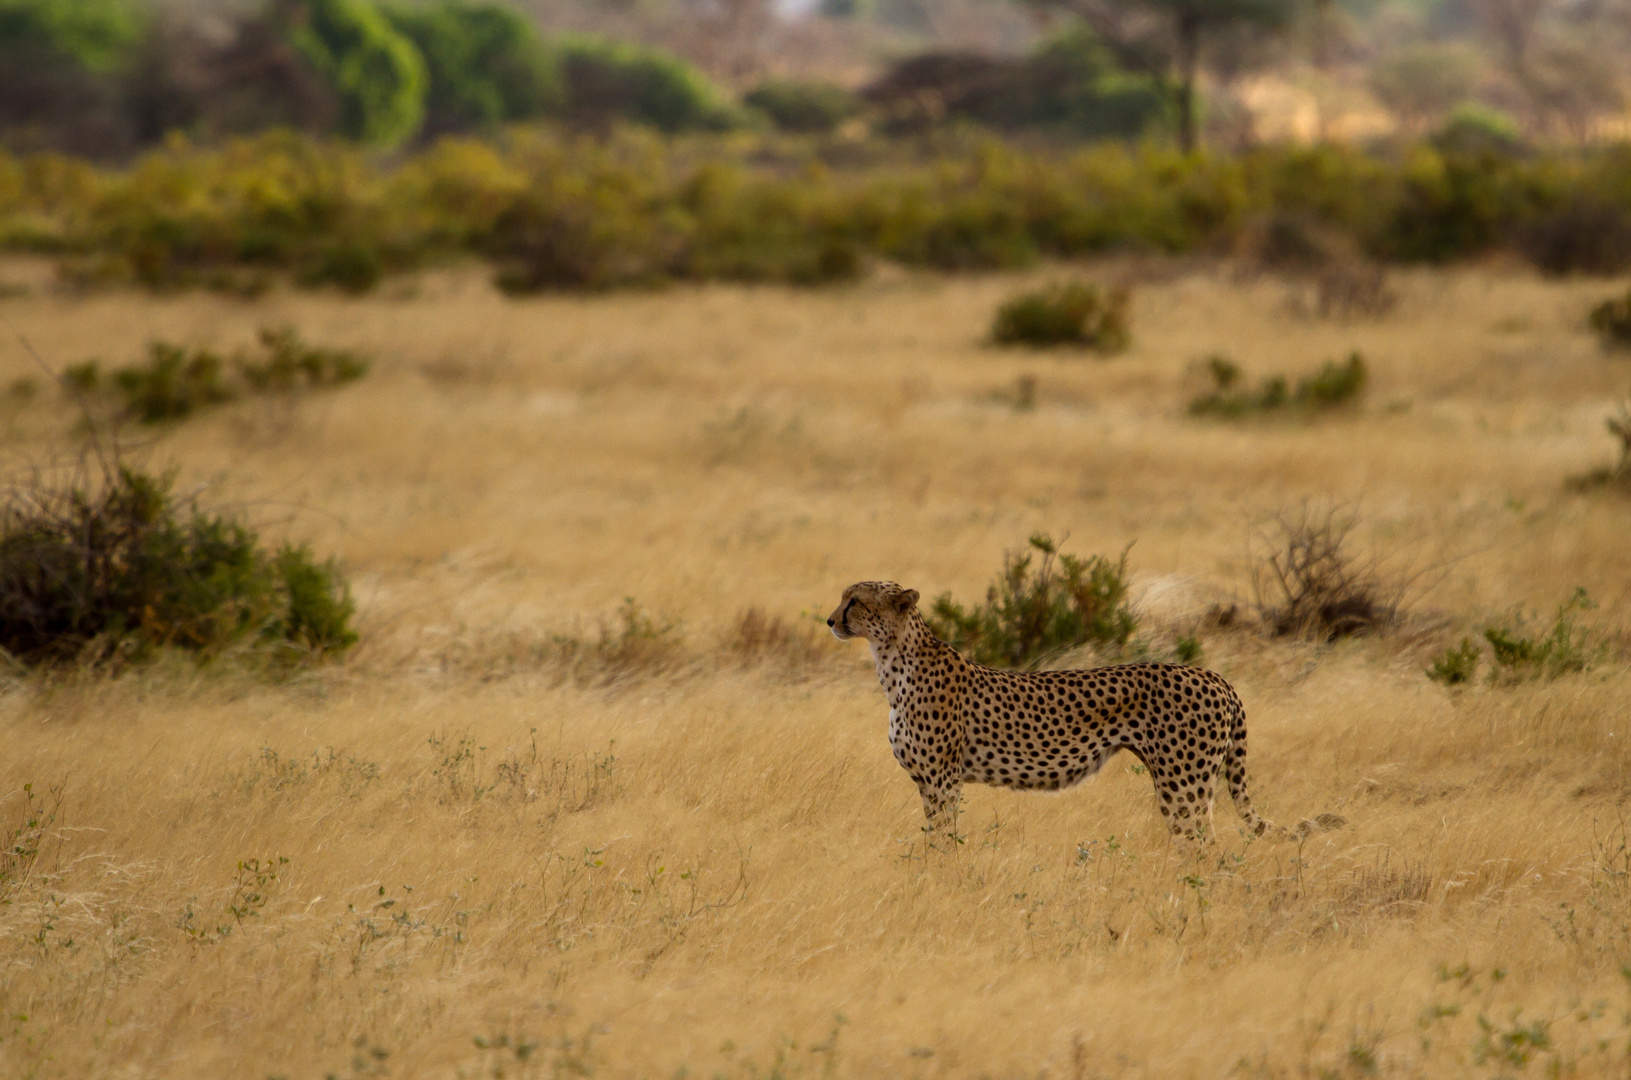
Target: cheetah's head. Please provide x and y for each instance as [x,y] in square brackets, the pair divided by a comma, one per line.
[875,610]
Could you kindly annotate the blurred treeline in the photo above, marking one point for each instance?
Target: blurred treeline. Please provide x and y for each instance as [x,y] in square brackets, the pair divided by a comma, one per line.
[107,78]
[557,210]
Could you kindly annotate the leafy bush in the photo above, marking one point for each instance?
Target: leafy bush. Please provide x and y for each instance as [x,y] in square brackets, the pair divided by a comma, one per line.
[795,106]
[173,384]
[376,71]
[1561,649]
[1612,321]
[353,267]
[1455,666]
[485,63]
[98,34]
[288,363]
[117,568]
[1332,386]
[61,69]
[609,81]
[177,381]
[1477,129]
[1067,313]
[1072,84]
[1034,612]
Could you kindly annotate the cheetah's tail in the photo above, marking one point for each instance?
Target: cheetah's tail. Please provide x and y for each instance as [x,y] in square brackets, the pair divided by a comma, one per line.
[1234,771]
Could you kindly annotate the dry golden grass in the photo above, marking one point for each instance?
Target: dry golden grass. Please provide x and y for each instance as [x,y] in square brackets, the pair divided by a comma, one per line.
[692,854]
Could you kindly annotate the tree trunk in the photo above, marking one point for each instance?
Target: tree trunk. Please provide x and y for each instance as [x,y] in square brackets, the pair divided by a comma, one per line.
[1189,54]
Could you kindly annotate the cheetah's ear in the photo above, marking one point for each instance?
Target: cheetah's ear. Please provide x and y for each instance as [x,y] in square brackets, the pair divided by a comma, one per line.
[907,600]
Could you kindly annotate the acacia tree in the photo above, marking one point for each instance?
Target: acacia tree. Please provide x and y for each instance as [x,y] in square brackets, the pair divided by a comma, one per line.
[1166,38]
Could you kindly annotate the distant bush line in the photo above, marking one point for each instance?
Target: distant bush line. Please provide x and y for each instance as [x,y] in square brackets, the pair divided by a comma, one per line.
[577,212]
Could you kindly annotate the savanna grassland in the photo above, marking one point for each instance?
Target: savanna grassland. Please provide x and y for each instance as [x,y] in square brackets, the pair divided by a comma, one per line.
[563,812]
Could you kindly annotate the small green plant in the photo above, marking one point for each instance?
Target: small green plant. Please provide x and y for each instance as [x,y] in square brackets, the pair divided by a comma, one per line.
[288,363]
[1564,648]
[1457,665]
[173,383]
[1332,386]
[177,381]
[1617,475]
[1065,313]
[1187,649]
[116,568]
[20,844]
[1612,321]
[1043,603]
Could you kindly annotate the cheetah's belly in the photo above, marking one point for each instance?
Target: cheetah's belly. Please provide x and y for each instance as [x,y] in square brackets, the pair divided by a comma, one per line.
[1034,753]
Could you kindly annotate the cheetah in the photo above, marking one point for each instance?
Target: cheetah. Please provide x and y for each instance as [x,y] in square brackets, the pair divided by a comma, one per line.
[954,722]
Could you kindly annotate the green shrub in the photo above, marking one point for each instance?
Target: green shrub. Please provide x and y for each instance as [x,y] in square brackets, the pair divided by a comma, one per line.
[747,229]
[118,568]
[1612,321]
[177,381]
[1478,129]
[1039,608]
[1072,85]
[173,383]
[816,107]
[1455,666]
[1561,649]
[588,221]
[288,363]
[613,81]
[351,267]
[485,64]
[374,69]
[98,34]
[1067,313]
[1332,386]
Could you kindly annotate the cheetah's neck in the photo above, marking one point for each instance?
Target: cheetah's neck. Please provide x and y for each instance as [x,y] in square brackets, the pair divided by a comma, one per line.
[905,657]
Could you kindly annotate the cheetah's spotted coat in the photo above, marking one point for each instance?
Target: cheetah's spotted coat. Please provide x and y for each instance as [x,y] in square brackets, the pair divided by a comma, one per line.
[953,722]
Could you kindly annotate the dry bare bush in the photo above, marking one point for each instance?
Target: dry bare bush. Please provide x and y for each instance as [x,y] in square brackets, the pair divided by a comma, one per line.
[1307,582]
[1353,288]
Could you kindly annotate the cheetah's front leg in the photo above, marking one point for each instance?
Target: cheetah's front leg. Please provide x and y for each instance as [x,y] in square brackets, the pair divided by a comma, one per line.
[940,799]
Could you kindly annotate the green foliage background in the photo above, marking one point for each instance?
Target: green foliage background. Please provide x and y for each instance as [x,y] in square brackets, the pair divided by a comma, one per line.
[376,71]
[554,210]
